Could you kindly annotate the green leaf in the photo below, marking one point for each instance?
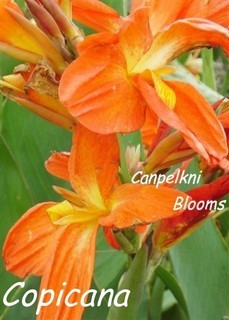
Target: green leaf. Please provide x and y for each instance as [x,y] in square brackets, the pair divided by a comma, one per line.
[171,282]
[133,280]
[109,264]
[208,74]
[31,141]
[156,298]
[14,199]
[175,313]
[18,311]
[201,266]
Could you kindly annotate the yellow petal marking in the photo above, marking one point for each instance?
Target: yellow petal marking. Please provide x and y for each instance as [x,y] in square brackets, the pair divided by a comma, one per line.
[166,94]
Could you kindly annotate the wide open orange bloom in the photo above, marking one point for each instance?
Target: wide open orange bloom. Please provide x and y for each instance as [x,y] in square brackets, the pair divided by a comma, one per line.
[118,76]
[101,17]
[57,240]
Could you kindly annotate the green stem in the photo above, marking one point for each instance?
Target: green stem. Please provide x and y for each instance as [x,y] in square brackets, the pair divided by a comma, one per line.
[125,7]
[134,281]
[125,175]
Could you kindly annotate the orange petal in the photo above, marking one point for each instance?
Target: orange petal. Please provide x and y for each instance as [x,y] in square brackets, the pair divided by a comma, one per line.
[213,10]
[96,15]
[93,164]
[71,196]
[180,37]
[97,39]
[72,263]
[29,242]
[49,115]
[161,13]
[198,116]
[172,230]
[224,119]
[170,150]
[11,31]
[149,129]
[169,117]
[135,37]
[140,204]
[94,89]
[45,45]
[48,101]
[19,32]
[137,4]
[57,165]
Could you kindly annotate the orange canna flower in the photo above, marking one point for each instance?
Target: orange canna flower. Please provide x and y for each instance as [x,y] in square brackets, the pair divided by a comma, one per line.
[169,232]
[171,150]
[47,49]
[96,15]
[118,77]
[161,14]
[168,148]
[35,88]
[60,233]
[224,119]
[101,17]
[23,40]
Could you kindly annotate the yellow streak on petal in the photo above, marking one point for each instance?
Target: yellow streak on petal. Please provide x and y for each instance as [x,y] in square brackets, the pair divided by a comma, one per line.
[15,80]
[166,70]
[9,86]
[66,213]
[166,94]
[44,45]
[20,54]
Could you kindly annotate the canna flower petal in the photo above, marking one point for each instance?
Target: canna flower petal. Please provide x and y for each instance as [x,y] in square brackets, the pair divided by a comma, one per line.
[171,150]
[161,13]
[36,89]
[57,165]
[170,231]
[18,32]
[193,33]
[28,244]
[211,145]
[150,127]
[132,205]
[213,10]
[135,38]
[224,119]
[204,122]
[96,15]
[67,266]
[93,165]
[94,89]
